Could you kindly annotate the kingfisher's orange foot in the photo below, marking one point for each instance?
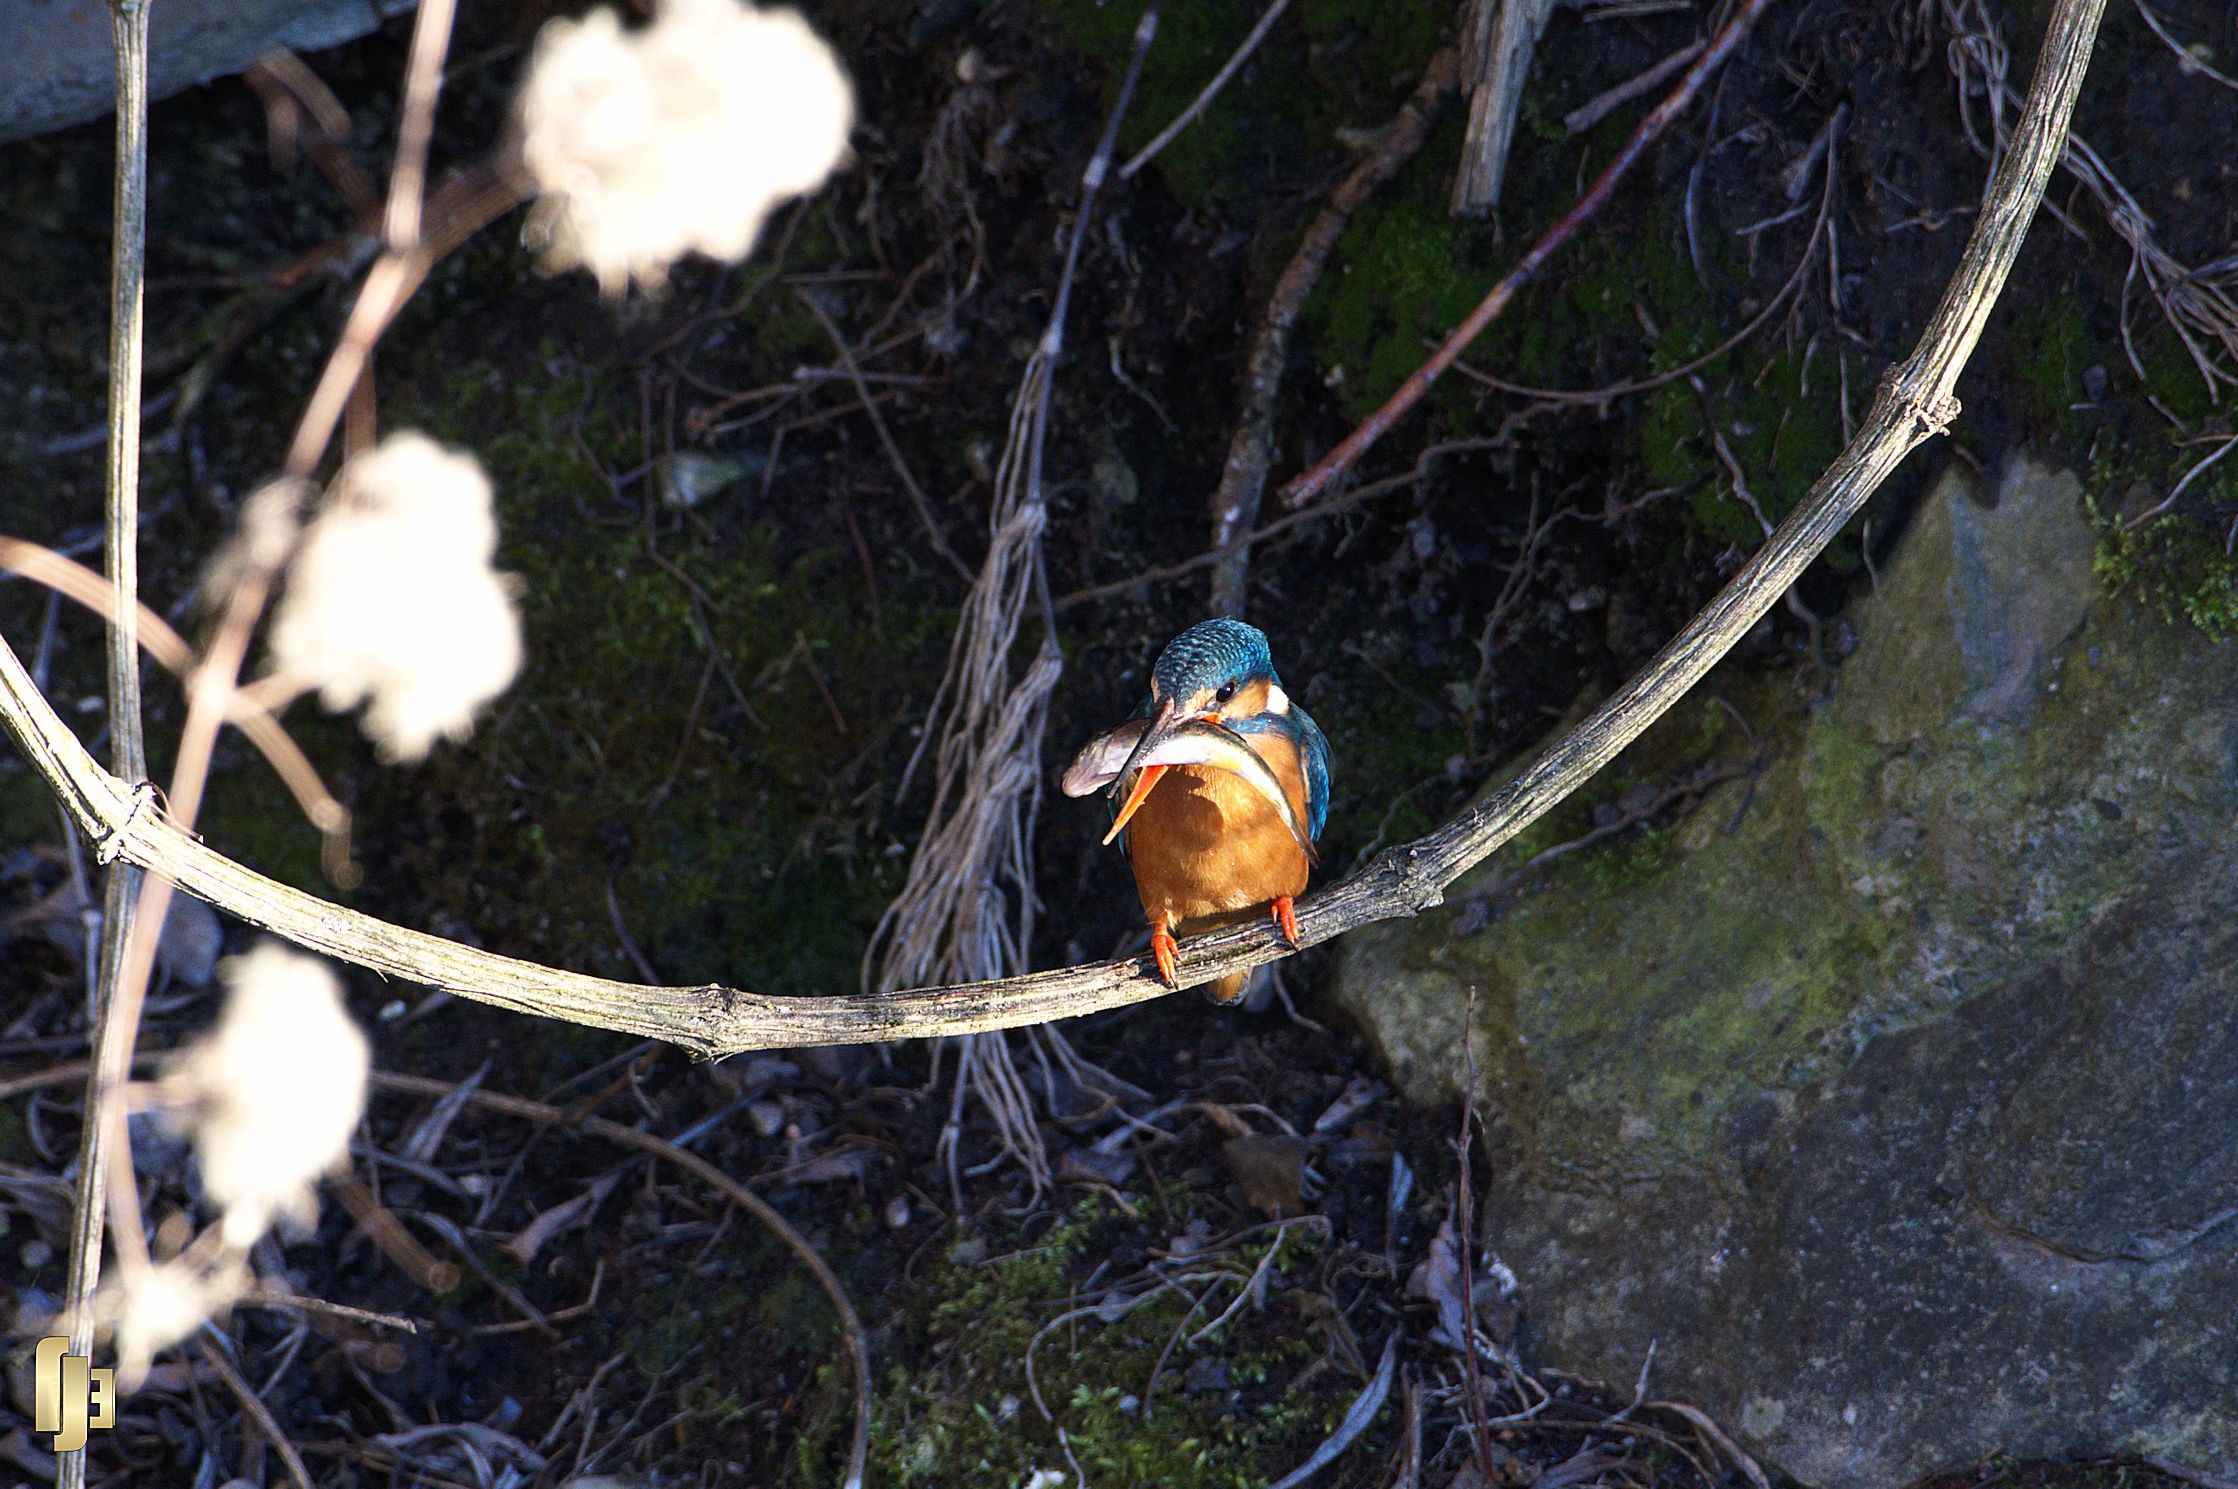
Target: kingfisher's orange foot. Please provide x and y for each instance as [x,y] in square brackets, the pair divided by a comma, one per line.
[1286,918]
[1168,954]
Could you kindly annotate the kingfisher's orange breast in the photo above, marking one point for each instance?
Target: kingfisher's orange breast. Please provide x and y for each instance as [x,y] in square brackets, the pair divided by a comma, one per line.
[1208,849]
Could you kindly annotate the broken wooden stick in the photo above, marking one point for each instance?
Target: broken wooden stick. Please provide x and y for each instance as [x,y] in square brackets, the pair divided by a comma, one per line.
[1502,34]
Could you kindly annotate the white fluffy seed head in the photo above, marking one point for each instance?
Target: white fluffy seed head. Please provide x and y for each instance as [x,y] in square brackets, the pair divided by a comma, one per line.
[272,1094]
[149,1309]
[391,599]
[679,136]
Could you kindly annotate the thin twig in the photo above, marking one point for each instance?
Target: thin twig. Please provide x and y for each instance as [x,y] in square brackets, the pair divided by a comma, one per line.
[2185,60]
[2131,524]
[1913,403]
[1333,465]
[1330,508]
[1211,91]
[74,581]
[1601,105]
[909,484]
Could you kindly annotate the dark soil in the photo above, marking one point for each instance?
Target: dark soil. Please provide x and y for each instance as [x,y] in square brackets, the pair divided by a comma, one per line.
[701,766]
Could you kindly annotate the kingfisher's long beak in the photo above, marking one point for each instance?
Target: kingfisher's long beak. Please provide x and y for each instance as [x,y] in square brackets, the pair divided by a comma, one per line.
[1143,782]
[1161,725]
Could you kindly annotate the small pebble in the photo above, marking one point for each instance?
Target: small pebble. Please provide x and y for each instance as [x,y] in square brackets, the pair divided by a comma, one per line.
[768,1117]
[897,1212]
[36,1254]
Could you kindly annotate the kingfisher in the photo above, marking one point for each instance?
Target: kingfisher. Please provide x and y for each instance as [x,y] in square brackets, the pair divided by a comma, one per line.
[1221,786]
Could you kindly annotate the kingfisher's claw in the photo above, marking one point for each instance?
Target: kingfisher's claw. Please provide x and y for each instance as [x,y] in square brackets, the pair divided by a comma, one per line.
[1167,951]
[1286,918]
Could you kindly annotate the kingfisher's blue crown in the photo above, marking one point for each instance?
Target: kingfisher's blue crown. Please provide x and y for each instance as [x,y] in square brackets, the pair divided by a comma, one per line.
[1210,653]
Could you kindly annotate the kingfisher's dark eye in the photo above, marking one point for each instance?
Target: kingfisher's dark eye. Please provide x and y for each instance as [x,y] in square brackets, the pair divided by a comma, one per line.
[1227,691]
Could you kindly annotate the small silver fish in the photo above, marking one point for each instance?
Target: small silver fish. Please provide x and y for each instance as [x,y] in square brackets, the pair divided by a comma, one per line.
[1195,742]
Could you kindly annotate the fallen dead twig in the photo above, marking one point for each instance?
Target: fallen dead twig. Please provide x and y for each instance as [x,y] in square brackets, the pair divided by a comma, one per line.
[1243,476]
[917,497]
[2187,61]
[2200,305]
[2222,448]
[1501,36]
[1333,465]
[1716,1436]
[429,1272]
[1350,499]
[1913,403]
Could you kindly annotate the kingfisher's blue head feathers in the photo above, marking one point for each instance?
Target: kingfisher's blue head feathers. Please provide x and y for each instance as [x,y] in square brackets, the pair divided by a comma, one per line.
[1210,655]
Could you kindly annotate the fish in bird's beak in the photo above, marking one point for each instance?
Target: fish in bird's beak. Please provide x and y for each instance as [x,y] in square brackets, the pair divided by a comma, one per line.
[1147,748]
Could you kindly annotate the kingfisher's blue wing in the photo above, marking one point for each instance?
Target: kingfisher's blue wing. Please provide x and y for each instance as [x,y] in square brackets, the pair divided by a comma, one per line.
[1313,758]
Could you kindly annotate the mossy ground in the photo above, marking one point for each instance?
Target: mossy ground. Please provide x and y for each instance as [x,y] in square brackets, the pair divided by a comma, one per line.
[968,1412]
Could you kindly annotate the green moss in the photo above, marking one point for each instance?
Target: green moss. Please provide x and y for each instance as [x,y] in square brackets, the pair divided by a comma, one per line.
[2175,565]
[738,846]
[966,1412]
[1406,270]
[1379,764]
[2053,347]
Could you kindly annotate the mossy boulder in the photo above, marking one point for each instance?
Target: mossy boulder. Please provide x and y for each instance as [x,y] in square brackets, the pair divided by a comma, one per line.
[1892,1094]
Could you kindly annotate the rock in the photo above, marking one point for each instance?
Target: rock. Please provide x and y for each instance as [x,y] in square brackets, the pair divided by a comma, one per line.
[1893,1093]
[59,66]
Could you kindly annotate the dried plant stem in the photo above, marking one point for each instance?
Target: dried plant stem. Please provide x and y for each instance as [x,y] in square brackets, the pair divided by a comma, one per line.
[1333,465]
[1243,478]
[101,1143]
[967,908]
[2199,304]
[423,80]
[1913,403]
[1601,105]
[250,714]
[137,904]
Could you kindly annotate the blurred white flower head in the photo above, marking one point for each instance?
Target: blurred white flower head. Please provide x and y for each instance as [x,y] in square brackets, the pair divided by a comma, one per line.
[273,1093]
[391,599]
[678,136]
[149,1309]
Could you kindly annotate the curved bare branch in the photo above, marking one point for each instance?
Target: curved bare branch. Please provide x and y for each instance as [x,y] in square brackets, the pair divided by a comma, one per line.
[1912,404]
